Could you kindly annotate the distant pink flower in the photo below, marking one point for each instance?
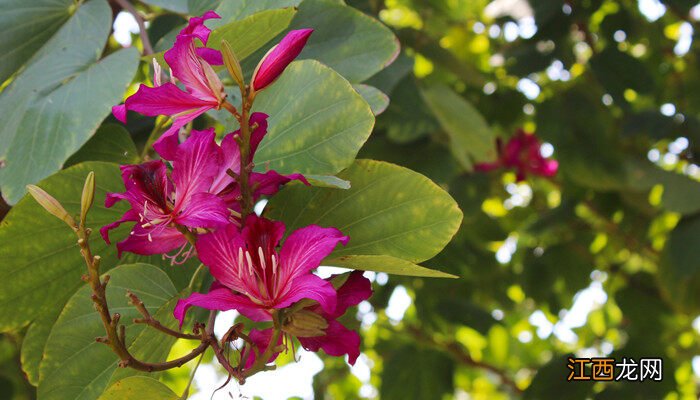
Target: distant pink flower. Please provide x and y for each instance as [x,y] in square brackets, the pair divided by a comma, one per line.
[521,153]
[191,65]
[335,339]
[279,57]
[254,278]
[160,202]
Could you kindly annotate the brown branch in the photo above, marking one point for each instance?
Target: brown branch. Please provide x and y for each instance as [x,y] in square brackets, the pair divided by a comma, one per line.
[147,48]
[457,352]
[152,322]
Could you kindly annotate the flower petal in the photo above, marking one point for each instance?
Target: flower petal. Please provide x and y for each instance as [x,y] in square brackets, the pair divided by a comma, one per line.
[338,340]
[309,286]
[231,159]
[158,239]
[204,210]
[166,99]
[219,252]
[196,27]
[355,289]
[259,120]
[270,182]
[188,68]
[167,143]
[261,339]
[129,215]
[305,248]
[197,161]
[221,299]
[211,56]
[275,62]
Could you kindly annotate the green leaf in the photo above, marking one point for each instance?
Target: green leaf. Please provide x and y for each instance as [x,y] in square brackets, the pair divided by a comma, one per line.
[251,33]
[471,139]
[179,6]
[352,43]
[40,263]
[111,143]
[199,7]
[389,210]
[75,366]
[388,264]
[321,130]
[618,71]
[137,388]
[32,24]
[60,98]
[681,194]
[412,372]
[377,100]
[236,10]
[407,118]
[327,181]
[679,268]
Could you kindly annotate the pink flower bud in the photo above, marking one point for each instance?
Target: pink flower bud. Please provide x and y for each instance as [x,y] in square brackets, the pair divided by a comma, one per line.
[277,59]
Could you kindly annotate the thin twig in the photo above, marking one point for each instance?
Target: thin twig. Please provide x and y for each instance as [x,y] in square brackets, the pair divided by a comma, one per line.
[147,48]
[458,353]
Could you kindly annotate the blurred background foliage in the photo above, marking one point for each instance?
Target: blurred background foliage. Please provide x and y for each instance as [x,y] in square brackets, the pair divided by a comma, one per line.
[601,260]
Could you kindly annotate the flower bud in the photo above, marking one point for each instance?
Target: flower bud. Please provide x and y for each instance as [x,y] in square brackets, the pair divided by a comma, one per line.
[278,58]
[306,324]
[51,205]
[232,64]
[87,198]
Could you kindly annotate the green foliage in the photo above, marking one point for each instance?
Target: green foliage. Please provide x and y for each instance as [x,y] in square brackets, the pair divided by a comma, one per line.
[74,365]
[64,88]
[138,387]
[389,210]
[305,134]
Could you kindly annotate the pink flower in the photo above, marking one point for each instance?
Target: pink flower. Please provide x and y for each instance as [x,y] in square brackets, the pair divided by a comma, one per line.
[279,57]
[264,184]
[254,278]
[159,203]
[318,329]
[191,65]
[521,153]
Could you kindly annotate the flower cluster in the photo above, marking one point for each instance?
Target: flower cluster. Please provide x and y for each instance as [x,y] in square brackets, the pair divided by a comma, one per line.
[522,154]
[196,200]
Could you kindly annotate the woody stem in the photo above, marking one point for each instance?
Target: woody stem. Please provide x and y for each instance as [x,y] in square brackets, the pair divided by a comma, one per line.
[260,363]
[116,333]
[245,167]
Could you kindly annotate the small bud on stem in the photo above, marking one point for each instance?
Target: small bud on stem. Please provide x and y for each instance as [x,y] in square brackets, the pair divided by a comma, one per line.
[87,197]
[51,205]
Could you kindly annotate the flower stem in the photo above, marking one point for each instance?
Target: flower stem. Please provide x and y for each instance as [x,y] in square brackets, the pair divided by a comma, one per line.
[246,165]
[145,41]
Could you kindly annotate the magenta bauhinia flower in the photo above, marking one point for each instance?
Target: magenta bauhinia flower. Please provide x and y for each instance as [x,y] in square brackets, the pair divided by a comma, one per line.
[160,202]
[190,65]
[279,57]
[263,184]
[318,329]
[522,153]
[255,278]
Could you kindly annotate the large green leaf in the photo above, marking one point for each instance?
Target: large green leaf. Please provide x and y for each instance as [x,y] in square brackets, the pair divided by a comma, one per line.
[251,33]
[679,269]
[389,210]
[318,130]
[75,366]
[388,264]
[27,26]
[40,263]
[377,100]
[137,388]
[111,143]
[235,10]
[57,102]
[471,139]
[354,44]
